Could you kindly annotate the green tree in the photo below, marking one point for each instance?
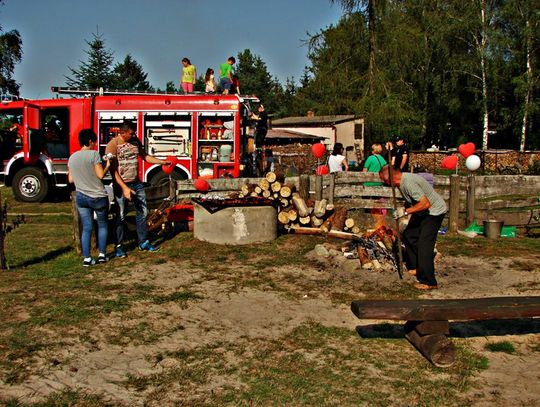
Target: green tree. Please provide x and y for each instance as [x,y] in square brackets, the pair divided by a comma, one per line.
[10,55]
[129,75]
[256,80]
[96,71]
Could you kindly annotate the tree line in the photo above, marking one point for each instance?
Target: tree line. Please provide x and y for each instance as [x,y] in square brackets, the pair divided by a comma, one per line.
[438,72]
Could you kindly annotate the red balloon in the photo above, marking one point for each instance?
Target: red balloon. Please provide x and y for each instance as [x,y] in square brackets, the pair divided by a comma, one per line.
[167,168]
[450,162]
[466,150]
[322,170]
[173,160]
[318,149]
[201,185]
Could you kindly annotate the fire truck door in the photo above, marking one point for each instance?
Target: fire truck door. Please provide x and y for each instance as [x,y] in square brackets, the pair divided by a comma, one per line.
[33,138]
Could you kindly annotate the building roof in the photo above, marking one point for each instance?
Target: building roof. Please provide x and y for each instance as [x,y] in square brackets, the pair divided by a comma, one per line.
[295,136]
[314,120]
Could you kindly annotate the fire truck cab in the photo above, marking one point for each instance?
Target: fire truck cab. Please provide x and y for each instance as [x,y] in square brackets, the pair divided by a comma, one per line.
[207,134]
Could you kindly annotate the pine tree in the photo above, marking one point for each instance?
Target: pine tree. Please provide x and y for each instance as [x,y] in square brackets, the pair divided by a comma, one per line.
[129,75]
[96,71]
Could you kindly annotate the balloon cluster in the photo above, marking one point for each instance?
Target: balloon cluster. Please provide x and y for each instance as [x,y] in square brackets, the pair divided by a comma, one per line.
[472,161]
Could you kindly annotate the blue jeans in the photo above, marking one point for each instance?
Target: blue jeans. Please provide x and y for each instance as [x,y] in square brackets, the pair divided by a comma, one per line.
[87,206]
[139,201]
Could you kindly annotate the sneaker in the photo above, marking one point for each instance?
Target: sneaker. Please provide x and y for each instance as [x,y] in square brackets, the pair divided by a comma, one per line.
[147,247]
[102,259]
[88,263]
[120,251]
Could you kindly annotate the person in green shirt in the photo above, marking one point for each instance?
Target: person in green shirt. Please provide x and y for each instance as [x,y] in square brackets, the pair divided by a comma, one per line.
[226,75]
[374,163]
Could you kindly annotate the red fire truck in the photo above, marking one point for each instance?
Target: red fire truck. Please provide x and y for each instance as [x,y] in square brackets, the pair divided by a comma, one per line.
[207,133]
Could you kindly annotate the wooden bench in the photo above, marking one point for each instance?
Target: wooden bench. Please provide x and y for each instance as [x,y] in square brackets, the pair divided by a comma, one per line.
[427,323]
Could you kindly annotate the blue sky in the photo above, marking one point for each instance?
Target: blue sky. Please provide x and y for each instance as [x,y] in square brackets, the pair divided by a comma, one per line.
[159,33]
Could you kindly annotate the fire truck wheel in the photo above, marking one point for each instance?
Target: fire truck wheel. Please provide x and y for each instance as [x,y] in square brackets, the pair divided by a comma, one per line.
[160,178]
[30,185]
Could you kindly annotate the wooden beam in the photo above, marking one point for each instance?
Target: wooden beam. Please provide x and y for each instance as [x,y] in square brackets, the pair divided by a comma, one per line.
[453,213]
[444,310]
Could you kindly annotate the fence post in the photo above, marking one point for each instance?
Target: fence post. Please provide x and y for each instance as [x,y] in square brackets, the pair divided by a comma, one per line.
[318,187]
[303,186]
[453,216]
[471,197]
[331,188]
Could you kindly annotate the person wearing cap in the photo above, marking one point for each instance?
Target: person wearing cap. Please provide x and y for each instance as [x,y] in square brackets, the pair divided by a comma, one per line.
[400,154]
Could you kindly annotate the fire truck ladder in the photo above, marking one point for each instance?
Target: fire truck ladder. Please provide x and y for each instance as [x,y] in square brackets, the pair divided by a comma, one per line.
[103,92]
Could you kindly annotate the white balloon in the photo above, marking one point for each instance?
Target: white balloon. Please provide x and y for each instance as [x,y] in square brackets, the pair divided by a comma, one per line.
[472,162]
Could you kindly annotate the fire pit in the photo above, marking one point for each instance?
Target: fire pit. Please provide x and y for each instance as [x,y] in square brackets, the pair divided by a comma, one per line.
[234,221]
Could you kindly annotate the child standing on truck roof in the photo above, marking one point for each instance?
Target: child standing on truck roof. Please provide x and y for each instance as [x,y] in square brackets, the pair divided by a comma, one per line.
[209,81]
[189,75]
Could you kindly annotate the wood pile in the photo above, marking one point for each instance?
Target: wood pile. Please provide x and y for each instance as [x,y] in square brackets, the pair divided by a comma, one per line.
[295,211]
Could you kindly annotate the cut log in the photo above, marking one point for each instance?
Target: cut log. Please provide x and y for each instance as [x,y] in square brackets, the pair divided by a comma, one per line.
[330,207]
[327,224]
[284,202]
[276,195]
[271,177]
[300,205]
[349,223]
[316,222]
[355,230]
[339,219]
[247,189]
[254,194]
[436,348]
[267,193]
[300,230]
[319,209]
[286,190]
[292,214]
[304,220]
[283,217]
[258,190]
[276,186]
[264,184]
[241,195]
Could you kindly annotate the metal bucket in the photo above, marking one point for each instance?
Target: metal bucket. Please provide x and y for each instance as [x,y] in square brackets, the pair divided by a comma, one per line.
[492,228]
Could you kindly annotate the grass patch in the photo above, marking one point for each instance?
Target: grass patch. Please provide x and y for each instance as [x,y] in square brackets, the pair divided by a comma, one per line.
[178,296]
[502,346]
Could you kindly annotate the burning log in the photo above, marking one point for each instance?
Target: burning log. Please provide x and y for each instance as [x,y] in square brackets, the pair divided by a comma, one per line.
[365,261]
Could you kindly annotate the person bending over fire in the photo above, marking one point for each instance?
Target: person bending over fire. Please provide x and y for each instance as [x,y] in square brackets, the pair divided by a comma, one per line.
[427,209]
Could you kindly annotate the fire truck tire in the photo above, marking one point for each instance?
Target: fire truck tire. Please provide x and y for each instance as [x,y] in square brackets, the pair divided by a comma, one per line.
[30,185]
[161,178]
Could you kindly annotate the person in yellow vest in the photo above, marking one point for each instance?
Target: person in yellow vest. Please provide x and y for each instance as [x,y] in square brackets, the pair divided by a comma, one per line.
[189,75]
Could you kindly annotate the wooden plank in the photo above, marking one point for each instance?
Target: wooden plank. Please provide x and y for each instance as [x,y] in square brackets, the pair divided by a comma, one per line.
[453,213]
[458,309]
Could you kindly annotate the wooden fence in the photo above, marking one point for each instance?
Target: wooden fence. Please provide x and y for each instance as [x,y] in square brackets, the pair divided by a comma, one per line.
[511,198]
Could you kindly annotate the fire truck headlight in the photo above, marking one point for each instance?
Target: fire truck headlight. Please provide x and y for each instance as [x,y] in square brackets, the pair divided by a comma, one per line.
[242,167]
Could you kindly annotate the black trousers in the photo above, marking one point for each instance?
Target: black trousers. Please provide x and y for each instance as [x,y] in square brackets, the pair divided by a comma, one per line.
[419,238]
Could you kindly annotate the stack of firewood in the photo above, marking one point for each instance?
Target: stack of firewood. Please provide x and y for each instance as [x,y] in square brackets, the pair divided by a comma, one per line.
[294,211]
